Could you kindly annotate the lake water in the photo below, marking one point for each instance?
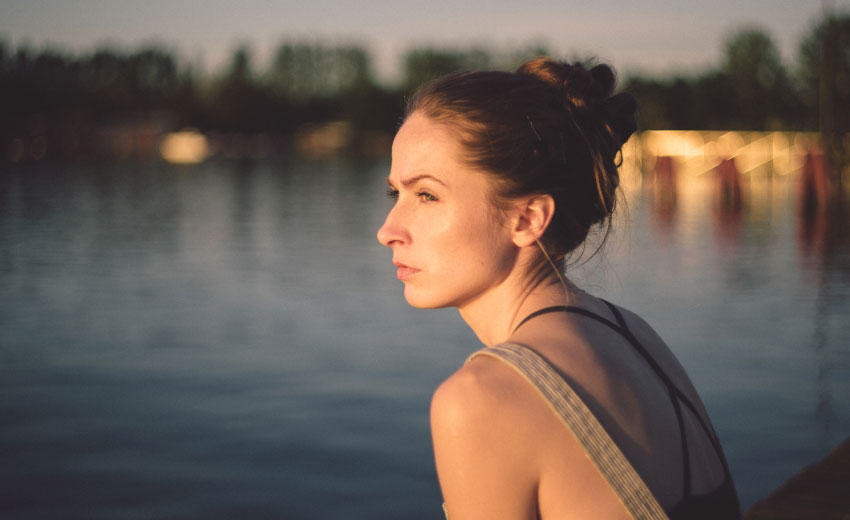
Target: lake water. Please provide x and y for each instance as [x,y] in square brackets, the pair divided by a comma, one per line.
[229,341]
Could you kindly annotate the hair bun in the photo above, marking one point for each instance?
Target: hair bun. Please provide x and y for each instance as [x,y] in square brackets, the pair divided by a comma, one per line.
[602,82]
[579,86]
[620,114]
[587,95]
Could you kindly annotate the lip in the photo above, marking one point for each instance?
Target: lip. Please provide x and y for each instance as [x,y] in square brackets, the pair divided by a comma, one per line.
[404,271]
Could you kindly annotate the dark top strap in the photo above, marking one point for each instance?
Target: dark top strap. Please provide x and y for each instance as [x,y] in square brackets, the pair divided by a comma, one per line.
[671,389]
[568,308]
[677,397]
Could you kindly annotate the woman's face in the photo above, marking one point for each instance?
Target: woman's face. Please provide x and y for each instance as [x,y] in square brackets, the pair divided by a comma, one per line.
[450,243]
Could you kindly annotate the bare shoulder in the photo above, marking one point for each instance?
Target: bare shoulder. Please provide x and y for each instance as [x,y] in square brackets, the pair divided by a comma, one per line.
[477,398]
[501,451]
[481,424]
[481,381]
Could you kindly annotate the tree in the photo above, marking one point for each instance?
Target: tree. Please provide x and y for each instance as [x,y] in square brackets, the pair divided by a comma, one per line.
[824,61]
[302,71]
[424,64]
[237,102]
[765,96]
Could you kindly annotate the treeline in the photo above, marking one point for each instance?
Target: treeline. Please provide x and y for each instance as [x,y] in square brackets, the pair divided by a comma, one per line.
[752,89]
[66,101]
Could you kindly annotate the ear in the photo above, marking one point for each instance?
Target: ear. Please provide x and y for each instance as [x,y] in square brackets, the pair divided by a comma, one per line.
[532,216]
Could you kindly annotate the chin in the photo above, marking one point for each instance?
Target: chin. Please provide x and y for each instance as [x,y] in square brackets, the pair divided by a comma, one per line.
[416,298]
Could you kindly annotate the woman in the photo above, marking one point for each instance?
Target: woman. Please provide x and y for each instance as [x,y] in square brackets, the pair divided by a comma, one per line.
[576,408]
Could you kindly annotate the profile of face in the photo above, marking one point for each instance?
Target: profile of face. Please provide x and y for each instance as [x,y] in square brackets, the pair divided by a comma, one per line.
[450,243]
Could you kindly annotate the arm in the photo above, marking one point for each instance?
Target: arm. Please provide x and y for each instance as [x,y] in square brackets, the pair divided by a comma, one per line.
[484,444]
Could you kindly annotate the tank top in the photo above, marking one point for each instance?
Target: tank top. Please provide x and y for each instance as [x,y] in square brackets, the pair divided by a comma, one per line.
[721,503]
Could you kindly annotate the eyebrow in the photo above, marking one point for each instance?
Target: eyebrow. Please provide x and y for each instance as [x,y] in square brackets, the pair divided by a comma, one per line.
[413,180]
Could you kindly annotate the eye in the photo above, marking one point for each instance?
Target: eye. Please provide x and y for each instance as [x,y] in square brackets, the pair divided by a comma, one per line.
[426,197]
[392,193]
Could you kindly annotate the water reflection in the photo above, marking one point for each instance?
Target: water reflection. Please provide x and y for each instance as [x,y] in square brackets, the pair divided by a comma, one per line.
[228,339]
[823,239]
[661,181]
[814,203]
[728,202]
[781,249]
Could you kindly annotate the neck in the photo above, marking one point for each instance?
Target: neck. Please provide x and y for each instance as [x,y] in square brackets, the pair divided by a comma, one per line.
[494,315]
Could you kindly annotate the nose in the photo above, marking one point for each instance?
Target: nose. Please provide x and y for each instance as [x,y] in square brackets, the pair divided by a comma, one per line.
[392,232]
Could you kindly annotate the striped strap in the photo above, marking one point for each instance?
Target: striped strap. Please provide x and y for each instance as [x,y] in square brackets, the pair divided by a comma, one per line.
[575,415]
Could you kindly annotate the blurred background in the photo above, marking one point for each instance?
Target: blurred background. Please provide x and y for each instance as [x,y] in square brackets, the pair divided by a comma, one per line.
[196,318]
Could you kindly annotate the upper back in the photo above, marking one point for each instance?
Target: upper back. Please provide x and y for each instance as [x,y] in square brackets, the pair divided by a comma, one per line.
[627,396]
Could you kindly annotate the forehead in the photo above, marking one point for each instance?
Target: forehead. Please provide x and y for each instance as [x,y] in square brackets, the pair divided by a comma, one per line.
[423,145]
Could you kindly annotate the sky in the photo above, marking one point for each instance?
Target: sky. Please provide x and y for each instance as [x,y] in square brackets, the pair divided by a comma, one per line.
[653,36]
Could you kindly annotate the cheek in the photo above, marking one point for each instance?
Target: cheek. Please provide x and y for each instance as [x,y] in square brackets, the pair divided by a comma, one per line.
[464,253]
[480,241]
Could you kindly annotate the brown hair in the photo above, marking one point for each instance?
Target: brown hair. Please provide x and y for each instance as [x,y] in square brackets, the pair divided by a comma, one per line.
[550,127]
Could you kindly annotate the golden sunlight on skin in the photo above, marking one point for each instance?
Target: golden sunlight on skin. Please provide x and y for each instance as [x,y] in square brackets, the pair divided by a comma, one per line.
[499,450]
[448,244]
